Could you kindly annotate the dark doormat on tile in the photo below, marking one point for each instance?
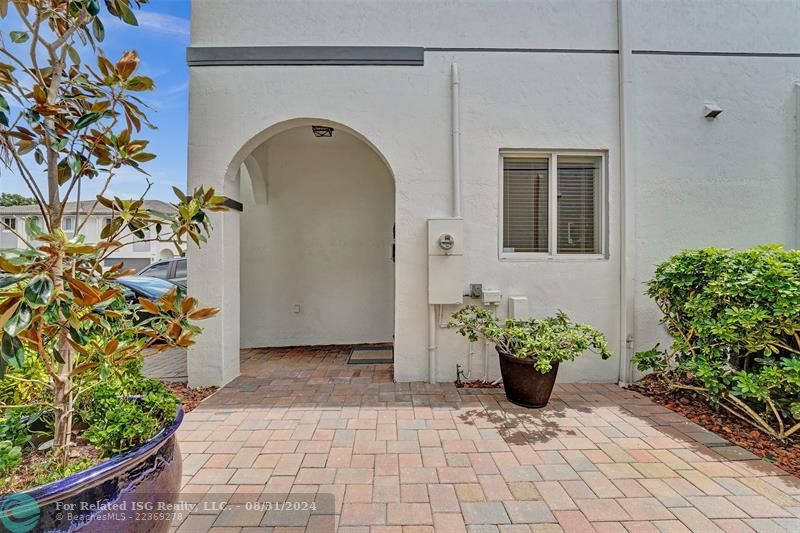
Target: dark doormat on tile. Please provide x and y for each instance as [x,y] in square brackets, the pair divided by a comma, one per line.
[371,354]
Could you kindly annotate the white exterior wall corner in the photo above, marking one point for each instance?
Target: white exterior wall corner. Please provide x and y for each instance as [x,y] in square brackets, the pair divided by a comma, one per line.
[727,182]
[696,182]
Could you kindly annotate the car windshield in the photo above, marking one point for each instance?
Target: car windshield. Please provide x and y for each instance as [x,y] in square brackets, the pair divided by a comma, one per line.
[152,287]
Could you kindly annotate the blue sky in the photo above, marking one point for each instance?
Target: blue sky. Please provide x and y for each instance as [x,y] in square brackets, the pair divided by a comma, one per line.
[161,40]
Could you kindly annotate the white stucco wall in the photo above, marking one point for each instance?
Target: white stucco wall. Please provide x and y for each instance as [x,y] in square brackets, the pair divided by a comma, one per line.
[695,182]
[322,240]
[728,182]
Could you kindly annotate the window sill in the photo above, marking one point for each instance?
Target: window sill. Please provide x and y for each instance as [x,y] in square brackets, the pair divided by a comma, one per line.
[558,258]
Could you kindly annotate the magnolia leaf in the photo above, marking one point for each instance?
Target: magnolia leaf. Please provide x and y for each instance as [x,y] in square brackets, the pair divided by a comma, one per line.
[202,314]
[25,146]
[74,55]
[39,291]
[98,30]
[140,83]
[4,105]
[12,351]
[111,347]
[149,306]
[4,119]
[143,157]
[3,8]
[19,322]
[74,163]
[126,14]
[6,316]
[18,36]
[93,7]
[188,304]
[127,64]
[87,120]
[5,281]
[64,172]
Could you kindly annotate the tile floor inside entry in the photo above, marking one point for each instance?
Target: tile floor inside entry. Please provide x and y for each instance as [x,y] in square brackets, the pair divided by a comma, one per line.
[380,456]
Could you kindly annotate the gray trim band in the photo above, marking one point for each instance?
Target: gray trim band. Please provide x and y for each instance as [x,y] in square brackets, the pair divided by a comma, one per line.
[525,50]
[203,56]
[713,54]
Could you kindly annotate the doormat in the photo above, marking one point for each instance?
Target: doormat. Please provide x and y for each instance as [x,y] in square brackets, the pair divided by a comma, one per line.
[371,355]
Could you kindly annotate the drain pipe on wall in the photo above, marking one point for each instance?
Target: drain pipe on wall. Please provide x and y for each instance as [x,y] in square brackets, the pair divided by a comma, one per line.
[626,215]
[455,112]
[456,127]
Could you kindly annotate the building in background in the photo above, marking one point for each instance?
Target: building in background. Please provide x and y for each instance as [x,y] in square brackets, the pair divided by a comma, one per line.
[137,255]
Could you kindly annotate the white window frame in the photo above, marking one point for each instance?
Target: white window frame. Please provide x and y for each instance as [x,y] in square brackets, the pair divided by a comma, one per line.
[63,222]
[552,205]
[13,224]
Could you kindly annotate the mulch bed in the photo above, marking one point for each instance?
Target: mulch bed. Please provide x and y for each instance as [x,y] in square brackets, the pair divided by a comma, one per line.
[190,398]
[694,407]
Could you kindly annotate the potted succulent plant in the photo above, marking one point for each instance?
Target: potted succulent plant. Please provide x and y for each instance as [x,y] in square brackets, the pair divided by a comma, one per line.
[530,350]
[83,435]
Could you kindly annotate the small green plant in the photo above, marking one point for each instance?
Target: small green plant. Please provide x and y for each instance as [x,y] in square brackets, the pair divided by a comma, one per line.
[125,412]
[10,457]
[734,317]
[15,434]
[546,340]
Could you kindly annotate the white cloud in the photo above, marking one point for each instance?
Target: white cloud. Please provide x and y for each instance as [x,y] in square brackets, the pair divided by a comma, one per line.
[176,89]
[160,23]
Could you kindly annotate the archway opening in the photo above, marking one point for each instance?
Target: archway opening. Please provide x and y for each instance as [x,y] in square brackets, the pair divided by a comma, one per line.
[316,232]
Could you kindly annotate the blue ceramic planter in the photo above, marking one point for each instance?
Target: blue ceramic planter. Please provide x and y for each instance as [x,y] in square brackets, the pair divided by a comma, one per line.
[117,495]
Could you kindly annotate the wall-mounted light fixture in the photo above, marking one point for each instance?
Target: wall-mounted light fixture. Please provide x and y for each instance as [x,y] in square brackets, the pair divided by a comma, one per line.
[322,131]
[712,110]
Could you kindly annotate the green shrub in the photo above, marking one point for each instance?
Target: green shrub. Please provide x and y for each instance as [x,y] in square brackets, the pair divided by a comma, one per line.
[125,412]
[16,431]
[10,457]
[547,340]
[735,321]
[27,384]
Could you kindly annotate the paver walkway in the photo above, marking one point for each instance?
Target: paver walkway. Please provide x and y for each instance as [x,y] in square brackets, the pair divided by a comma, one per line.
[383,457]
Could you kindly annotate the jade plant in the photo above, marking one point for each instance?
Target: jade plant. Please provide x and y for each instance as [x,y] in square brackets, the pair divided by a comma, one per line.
[69,114]
[549,340]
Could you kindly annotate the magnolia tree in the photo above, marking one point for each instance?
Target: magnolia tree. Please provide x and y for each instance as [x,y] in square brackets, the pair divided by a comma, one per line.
[68,114]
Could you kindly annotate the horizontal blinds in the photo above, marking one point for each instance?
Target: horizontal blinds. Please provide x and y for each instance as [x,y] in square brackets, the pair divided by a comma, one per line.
[578,213]
[525,204]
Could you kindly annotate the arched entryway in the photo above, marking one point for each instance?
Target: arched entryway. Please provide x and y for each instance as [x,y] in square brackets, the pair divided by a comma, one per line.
[316,238]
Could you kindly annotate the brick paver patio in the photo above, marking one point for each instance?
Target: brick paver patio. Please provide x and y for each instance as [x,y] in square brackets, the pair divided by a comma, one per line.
[413,457]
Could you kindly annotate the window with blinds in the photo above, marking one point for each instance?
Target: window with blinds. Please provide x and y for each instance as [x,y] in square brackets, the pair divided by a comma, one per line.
[578,181]
[552,204]
[525,204]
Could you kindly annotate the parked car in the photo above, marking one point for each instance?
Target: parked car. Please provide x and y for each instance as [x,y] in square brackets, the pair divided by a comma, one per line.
[172,270]
[146,287]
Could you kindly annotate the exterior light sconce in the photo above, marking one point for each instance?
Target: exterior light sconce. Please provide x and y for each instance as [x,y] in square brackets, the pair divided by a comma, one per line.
[322,131]
[712,110]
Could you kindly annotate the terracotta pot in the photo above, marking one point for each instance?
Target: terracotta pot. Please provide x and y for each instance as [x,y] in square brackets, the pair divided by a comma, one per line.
[111,496]
[524,385]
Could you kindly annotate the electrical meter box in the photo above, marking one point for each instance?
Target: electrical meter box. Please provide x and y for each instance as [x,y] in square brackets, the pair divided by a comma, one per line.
[445,260]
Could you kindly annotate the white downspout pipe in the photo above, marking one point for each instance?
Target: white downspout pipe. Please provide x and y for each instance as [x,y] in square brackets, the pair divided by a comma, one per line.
[432,325]
[797,162]
[456,127]
[456,164]
[626,213]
